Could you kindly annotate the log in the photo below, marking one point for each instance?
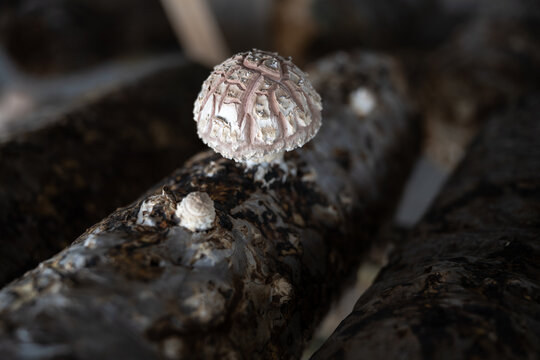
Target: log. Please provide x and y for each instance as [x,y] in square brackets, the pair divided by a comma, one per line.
[465,284]
[59,180]
[284,241]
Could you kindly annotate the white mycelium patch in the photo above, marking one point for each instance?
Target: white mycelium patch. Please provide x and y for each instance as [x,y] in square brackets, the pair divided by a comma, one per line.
[362,101]
[255,106]
[144,217]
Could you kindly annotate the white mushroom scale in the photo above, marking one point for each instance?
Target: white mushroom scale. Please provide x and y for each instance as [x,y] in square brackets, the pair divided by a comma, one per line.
[255,106]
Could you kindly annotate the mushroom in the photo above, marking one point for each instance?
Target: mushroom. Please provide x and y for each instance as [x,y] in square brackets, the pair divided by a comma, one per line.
[196,211]
[255,106]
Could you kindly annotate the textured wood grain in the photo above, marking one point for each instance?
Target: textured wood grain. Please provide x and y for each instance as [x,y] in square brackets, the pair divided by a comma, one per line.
[466,283]
[285,239]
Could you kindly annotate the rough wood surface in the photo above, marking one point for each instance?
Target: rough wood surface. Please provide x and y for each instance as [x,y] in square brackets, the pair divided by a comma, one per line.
[285,239]
[57,181]
[466,283]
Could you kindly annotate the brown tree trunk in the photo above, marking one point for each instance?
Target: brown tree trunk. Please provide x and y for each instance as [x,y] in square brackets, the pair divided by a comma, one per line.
[137,285]
[466,284]
[59,180]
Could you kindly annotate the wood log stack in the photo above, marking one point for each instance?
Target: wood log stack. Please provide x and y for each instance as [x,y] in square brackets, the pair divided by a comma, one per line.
[283,243]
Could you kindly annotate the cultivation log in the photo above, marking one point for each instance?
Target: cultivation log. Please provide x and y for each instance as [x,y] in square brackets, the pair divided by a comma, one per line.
[284,240]
[466,283]
[59,180]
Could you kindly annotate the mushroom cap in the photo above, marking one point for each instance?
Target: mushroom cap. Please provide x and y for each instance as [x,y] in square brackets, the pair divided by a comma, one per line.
[196,211]
[257,105]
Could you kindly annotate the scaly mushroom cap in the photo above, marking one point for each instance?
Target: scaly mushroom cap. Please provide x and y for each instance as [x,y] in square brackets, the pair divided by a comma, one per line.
[255,106]
[196,211]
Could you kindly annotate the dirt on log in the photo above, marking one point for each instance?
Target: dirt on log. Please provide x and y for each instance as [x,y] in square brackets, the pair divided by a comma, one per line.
[59,180]
[466,283]
[284,240]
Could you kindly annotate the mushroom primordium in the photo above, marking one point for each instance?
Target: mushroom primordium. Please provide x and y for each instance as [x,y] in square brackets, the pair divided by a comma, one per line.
[255,106]
[196,211]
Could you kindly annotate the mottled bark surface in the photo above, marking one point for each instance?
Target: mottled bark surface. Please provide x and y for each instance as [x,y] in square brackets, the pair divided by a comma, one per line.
[61,35]
[466,283]
[57,181]
[137,285]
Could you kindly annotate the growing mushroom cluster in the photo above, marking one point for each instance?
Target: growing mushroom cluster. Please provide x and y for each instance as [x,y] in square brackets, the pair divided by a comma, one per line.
[255,106]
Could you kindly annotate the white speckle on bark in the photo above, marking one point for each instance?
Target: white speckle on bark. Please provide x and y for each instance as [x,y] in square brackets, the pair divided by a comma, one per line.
[311,176]
[213,169]
[172,347]
[91,242]
[282,290]
[208,305]
[72,261]
[23,335]
[144,217]
[362,101]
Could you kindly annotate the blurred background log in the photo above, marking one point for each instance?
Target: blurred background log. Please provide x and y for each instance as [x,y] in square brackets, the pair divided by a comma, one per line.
[485,65]
[60,179]
[394,26]
[283,243]
[465,58]
[198,31]
[466,283]
[54,36]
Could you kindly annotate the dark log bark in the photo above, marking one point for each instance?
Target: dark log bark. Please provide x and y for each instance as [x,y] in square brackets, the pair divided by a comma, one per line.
[138,285]
[57,181]
[466,284]
[51,36]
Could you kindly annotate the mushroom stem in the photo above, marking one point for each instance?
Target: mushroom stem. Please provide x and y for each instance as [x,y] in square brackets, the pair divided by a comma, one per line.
[271,159]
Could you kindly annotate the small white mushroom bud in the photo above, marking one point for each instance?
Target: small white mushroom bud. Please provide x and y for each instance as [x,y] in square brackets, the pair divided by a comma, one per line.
[255,106]
[362,101]
[196,211]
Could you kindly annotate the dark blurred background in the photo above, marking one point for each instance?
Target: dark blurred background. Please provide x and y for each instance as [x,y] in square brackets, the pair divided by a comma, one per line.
[55,51]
